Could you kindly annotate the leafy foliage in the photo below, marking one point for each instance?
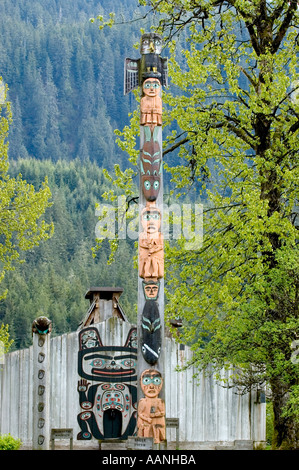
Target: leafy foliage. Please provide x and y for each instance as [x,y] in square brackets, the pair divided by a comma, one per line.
[21,206]
[5,341]
[8,442]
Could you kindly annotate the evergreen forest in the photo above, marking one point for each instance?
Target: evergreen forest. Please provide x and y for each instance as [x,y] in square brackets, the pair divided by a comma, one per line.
[65,78]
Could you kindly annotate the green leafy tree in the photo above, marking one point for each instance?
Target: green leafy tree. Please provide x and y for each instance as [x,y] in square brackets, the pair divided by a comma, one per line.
[236,112]
[5,341]
[21,206]
[8,442]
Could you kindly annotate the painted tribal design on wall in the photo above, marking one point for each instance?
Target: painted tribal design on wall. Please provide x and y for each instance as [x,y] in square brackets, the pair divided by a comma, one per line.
[108,386]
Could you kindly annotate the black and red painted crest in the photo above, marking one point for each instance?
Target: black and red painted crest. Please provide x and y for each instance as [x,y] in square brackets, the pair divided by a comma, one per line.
[108,386]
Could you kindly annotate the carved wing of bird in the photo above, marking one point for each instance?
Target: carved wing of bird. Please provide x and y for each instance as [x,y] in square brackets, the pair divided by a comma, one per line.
[131,74]
[164,71]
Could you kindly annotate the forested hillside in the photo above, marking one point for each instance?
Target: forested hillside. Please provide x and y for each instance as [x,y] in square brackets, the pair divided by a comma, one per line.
[65,77]
[55,276]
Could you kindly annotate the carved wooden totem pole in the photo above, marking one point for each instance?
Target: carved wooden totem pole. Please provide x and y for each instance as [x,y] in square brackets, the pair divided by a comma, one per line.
[41,332]
[150,74]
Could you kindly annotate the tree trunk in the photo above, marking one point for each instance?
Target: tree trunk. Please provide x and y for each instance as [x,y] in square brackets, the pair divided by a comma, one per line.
[285,432]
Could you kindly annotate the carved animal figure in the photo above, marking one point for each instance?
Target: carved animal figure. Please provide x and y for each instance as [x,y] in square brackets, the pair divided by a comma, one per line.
[151,332]
[42,325]
[151,103]
[150,166]
[150,65]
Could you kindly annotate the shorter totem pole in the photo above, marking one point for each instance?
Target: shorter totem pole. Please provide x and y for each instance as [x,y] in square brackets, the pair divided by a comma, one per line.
[41,329]
[150,74]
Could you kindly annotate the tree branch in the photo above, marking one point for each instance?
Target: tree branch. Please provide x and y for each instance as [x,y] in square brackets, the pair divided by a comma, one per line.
[284,25]
[241,133]
[175,146]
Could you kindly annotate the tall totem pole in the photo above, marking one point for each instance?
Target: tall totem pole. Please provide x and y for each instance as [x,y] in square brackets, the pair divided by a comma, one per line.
[149,73]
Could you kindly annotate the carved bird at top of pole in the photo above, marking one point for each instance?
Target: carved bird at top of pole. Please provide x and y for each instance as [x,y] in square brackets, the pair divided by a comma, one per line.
[150,65]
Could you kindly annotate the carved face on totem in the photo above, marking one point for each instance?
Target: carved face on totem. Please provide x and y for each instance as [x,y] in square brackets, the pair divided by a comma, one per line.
[151,87]
[151,382]
[151,290]
[42,325]
[150,186]
[151,219]
[151,43]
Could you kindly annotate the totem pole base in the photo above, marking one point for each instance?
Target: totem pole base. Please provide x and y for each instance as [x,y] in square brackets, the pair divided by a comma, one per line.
[161,446]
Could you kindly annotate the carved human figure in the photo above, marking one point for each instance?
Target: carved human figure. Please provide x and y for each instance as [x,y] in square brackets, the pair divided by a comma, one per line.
[151,245]
[151,103]
[151,409]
